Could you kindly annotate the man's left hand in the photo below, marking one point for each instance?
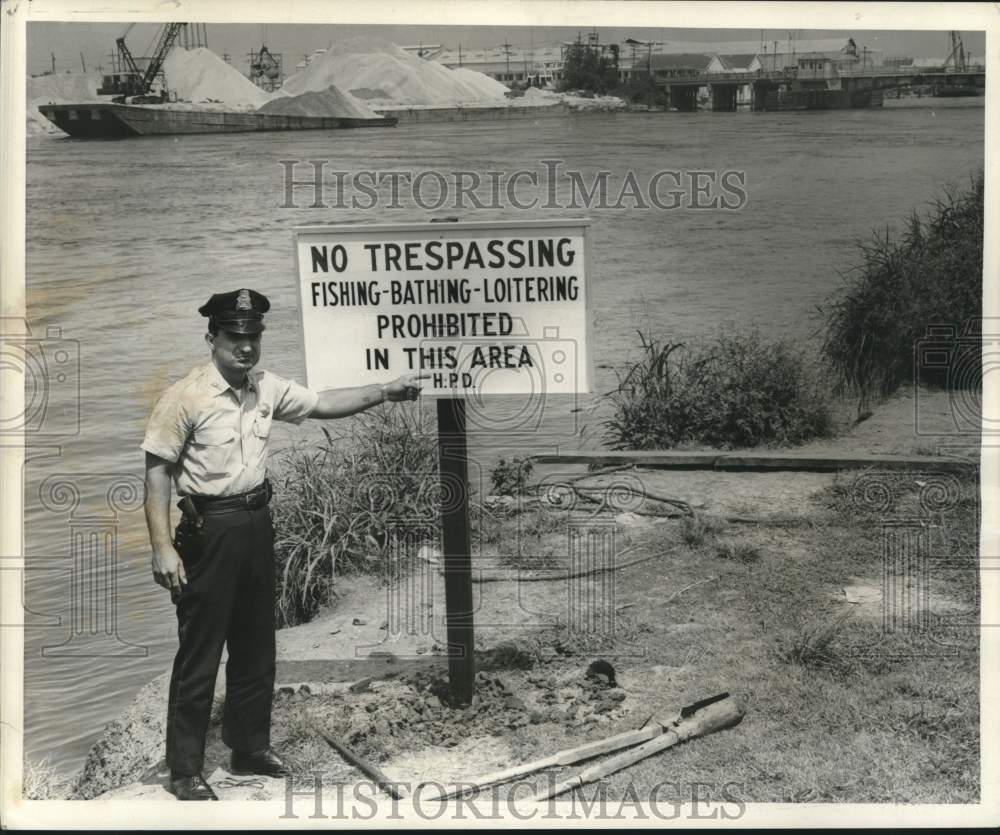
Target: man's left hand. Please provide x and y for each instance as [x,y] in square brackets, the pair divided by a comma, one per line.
[406,387]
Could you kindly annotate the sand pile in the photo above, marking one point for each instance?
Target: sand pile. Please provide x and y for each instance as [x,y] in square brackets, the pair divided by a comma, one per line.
[383,72]
[61,88]
[490,87]
[199,75]
[329,102]
[64,87]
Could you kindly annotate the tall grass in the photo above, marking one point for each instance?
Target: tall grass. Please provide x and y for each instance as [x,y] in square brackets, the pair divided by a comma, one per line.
[738,390]
[337,505]
[42,781]
[930,274]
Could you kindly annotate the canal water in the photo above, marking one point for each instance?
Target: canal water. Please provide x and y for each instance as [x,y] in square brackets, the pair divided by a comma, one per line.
[126,239]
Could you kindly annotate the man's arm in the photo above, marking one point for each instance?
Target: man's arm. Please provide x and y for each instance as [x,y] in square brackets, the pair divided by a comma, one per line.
[338,403]
[168,570]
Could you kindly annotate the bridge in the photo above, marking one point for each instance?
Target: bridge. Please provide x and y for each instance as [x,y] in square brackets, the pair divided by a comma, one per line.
[796,89]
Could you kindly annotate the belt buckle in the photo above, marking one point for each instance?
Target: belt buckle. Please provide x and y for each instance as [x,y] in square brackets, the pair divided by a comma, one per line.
[248,499]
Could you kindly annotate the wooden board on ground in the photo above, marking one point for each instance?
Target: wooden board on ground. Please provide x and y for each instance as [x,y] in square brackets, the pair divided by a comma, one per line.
[812,462]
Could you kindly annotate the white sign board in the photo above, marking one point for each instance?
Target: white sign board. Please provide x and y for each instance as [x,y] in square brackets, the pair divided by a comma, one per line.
[483,308]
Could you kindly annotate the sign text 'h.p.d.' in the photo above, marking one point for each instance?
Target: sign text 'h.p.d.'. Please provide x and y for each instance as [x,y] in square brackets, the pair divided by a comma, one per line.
[483,308]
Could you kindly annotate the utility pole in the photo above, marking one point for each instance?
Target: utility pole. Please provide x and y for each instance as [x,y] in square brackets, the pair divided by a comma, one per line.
[530,57]
[83,64]
[460,55]
[53,56]
[506,49]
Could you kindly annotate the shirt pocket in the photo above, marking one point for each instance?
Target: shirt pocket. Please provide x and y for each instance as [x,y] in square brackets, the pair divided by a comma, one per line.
[212,447]
[262,426]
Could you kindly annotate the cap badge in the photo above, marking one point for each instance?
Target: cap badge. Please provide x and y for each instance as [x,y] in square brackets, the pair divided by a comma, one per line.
[243,301]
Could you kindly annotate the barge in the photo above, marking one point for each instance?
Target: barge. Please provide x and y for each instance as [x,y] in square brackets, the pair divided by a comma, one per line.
[97,120]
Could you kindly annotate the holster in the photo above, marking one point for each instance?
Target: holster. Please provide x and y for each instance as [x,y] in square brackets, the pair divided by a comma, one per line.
[190,512]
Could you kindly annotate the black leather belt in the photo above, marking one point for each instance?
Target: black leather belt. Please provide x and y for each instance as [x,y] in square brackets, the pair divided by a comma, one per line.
[251,500]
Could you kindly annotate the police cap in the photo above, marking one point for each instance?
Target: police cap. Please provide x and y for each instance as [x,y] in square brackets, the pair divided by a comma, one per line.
[241,311]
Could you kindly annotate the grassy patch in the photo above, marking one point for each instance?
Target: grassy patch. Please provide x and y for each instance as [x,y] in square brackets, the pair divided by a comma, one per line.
[697,529]
[738,551]
[815,646]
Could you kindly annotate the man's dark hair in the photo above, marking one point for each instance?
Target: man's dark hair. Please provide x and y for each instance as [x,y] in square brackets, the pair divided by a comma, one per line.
[213,327]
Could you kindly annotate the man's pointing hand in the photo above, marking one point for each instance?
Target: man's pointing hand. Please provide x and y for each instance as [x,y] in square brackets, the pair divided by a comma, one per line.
[406,387]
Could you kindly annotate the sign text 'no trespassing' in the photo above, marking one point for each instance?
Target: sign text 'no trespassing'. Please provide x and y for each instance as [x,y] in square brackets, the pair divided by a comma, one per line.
[483,308]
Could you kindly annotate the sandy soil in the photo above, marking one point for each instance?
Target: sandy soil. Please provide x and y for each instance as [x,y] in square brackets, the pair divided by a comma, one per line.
[371,670]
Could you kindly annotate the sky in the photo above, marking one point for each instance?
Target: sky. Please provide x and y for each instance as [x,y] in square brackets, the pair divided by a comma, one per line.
[95,40]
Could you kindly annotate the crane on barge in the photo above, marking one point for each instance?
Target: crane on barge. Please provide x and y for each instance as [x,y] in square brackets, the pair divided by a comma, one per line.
[133,83]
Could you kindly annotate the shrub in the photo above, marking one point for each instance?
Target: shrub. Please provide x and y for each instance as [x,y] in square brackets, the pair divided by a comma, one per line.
[337,502]
[510,478]
[930,275]
[642,88]
[739,390]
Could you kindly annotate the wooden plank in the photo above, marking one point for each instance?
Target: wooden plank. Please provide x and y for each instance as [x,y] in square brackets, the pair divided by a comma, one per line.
[755,461]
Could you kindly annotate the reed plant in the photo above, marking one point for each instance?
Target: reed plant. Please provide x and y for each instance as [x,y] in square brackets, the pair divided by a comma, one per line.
[929,275]
[351,503]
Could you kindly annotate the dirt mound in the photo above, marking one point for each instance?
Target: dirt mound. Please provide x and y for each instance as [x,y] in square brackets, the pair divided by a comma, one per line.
[373,64]
[330,102]
[382,719]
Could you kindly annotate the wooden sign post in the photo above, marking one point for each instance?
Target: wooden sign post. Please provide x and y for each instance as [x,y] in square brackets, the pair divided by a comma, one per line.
[484,308]
[456,549]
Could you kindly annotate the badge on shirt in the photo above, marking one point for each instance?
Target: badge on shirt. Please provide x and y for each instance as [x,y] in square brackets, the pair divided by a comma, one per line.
[265,410]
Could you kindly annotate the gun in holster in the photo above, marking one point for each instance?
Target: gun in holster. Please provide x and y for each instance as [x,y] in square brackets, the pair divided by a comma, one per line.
[190,512]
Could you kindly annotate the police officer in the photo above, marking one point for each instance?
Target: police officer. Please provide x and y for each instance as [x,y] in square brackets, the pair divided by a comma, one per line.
[209,434]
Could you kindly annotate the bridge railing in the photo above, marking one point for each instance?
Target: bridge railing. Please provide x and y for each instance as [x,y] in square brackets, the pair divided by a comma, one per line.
[792,73]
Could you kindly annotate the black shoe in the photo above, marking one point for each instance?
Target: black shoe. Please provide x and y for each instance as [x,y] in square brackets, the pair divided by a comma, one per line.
[265,762]
[191,788]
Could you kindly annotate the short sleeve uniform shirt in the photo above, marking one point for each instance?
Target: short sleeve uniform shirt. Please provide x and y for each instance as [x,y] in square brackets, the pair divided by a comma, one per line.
[216,436]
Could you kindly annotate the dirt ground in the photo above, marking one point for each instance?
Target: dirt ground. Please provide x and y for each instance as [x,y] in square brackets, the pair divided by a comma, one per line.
[859,676]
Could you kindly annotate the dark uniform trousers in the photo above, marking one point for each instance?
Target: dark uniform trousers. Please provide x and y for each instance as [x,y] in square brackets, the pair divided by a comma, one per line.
[228,600]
